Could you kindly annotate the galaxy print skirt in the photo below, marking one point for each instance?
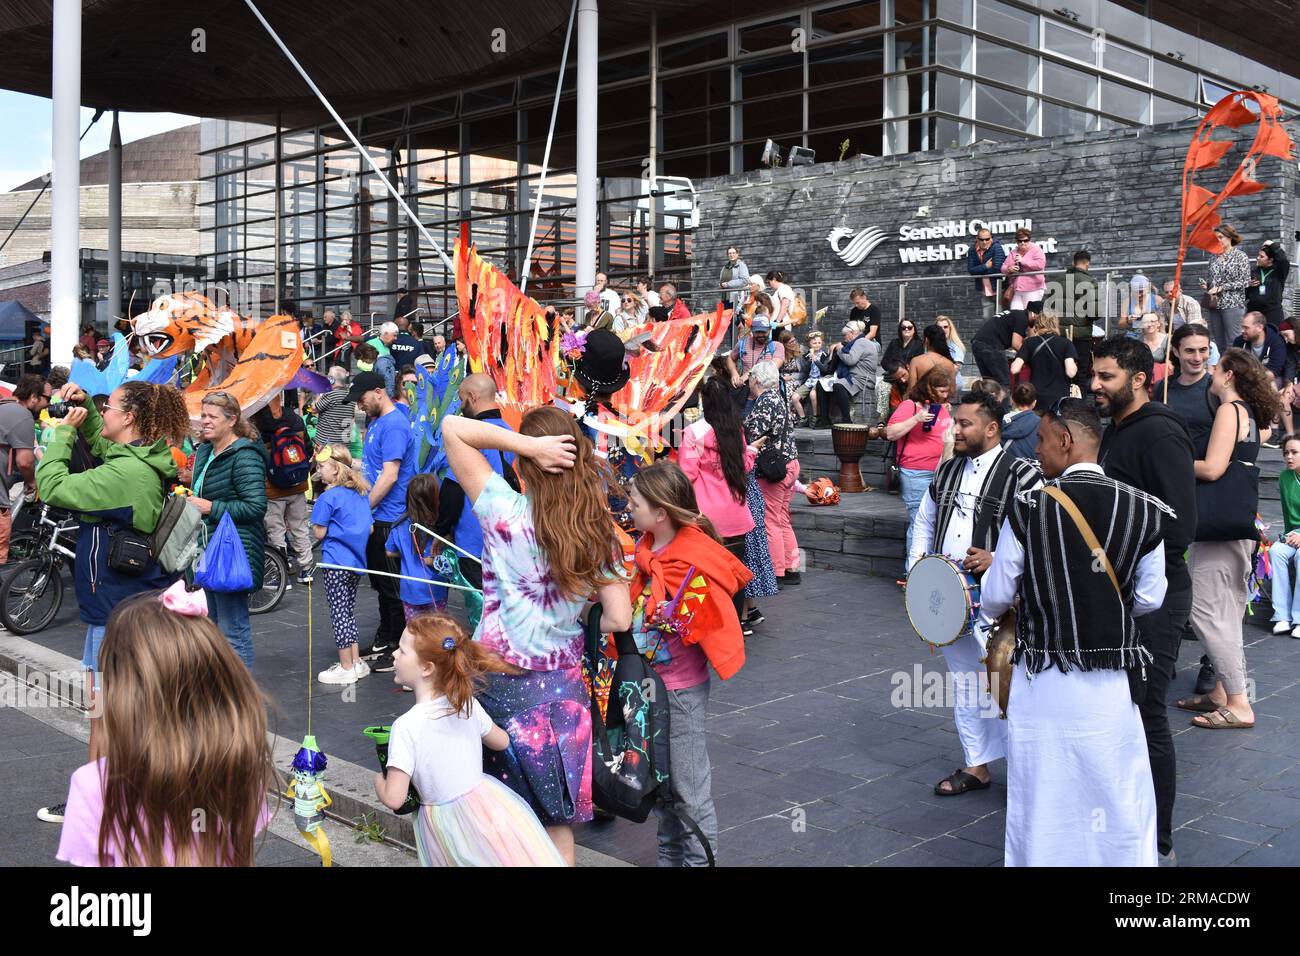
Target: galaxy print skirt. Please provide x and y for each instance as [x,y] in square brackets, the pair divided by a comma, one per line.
[548,763]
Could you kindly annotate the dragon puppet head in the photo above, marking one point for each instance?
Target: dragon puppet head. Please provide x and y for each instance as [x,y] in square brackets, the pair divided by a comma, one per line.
[181,322]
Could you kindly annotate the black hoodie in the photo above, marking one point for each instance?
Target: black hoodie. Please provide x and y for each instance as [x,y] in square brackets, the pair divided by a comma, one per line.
[1152,451]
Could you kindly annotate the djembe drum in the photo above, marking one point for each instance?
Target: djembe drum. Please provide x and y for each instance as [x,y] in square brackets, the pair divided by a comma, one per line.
[850,444]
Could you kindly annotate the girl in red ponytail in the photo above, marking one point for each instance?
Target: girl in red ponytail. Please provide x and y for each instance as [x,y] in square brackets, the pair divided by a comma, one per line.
[466,818]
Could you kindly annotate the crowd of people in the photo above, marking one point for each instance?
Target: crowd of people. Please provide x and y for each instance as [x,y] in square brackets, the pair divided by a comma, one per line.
[1138,533]
[550,522]
[540,520]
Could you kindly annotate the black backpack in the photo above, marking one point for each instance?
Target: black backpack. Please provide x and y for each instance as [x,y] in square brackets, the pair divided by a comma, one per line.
[631,773]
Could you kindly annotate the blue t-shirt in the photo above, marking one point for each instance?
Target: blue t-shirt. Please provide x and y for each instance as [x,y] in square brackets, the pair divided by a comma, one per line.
[468,534]
[389,439]
[345,515]
[401,542]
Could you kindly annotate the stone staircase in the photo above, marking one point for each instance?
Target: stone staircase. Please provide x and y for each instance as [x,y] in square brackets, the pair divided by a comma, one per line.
[864,533]
[1270,500]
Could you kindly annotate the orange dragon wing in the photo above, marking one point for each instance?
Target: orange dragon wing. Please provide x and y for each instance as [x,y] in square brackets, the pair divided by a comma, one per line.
[507,334]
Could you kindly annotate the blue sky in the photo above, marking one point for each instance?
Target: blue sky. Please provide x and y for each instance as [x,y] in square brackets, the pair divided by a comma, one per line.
[25,132]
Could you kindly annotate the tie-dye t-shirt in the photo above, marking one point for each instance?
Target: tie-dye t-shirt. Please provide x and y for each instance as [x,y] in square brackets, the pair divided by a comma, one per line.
[526,618]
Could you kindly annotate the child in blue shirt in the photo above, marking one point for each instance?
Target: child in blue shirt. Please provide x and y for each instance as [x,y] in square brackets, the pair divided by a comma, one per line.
[416,548]
[341,519]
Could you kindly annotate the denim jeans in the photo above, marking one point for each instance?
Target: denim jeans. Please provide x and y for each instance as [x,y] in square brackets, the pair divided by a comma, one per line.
[90,650]
[1286,592]
[230,613]
[916,483]
[692,780]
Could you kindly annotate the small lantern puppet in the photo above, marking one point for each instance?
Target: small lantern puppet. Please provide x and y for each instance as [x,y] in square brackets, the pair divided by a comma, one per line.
[310,798]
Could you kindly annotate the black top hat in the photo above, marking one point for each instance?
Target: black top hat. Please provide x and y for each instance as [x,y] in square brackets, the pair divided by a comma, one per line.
[601,369]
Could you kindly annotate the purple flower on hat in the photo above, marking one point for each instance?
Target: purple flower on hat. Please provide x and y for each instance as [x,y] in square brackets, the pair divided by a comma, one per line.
[573,344]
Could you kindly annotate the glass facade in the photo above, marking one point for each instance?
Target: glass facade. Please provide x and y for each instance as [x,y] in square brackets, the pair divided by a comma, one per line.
[875,77]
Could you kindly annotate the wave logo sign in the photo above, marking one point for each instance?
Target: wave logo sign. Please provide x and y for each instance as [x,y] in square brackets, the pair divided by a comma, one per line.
[858,245]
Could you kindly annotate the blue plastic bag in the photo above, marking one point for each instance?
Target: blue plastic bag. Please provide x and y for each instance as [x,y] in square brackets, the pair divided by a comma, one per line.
[224,567]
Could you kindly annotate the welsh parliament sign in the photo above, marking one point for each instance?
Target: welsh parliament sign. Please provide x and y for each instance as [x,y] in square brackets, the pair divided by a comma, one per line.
[854,246]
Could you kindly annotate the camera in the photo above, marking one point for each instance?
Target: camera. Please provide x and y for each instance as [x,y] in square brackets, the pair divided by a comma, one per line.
[58,408]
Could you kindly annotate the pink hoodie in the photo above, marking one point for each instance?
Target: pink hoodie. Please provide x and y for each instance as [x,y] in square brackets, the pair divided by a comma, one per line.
[1034,260]
[698,457]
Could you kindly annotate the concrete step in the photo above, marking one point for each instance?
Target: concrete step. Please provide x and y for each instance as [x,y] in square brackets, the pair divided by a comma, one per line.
[865,532]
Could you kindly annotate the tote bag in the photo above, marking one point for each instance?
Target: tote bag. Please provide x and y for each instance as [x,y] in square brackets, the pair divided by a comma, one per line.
[224,567]
[1225,509]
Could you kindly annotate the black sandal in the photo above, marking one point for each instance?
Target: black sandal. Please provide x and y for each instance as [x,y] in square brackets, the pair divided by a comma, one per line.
[960,781]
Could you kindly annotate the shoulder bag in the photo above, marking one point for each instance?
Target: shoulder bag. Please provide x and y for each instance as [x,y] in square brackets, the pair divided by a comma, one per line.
[1225,509]
[771,461]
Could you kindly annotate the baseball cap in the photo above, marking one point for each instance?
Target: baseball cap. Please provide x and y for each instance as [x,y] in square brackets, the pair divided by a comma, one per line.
[761,324]
[365,382]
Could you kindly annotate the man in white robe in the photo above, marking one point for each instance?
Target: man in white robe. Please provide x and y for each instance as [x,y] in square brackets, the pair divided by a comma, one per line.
[1079,786]
[979,487]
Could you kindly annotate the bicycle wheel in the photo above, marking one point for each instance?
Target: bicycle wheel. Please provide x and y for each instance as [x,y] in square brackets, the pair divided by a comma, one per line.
[275,578]
[31,596]
[23,545]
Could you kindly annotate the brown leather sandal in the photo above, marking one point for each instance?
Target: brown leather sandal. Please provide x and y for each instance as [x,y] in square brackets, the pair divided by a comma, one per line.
[1227,720]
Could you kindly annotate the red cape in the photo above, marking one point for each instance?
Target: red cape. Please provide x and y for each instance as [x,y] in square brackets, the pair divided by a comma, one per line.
[715,627]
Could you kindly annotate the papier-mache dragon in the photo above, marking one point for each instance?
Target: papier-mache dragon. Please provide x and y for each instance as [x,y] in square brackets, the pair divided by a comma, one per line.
[510,337]
[251,360]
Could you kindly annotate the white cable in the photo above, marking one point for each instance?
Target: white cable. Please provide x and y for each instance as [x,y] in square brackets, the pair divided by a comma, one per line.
[365,153]
[546,154]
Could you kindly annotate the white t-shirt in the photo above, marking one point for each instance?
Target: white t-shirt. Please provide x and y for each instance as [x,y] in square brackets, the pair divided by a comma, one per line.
[781,292]
[442,751]
[651,298]
[610,301]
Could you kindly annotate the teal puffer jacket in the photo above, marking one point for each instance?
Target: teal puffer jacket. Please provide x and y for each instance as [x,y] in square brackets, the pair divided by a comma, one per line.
[235,482]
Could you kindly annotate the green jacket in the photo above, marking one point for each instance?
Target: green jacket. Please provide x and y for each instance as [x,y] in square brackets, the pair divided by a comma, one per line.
[235,483]
[129,483]
[1081,302]
[127,488]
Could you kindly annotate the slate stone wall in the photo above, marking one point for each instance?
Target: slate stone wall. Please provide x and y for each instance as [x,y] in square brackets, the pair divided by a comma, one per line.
[1114,193]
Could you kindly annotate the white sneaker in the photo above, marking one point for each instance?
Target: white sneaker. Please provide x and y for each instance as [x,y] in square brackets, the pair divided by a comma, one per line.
[1296,632]
[337,674]
[362,668]
[1281,627]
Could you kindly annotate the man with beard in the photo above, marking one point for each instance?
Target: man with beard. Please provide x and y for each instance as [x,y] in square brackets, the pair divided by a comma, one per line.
[1147,446]
[961,517]
[1083,556]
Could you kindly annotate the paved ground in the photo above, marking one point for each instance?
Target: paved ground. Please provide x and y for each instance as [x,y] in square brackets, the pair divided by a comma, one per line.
[813,764]
[36,761]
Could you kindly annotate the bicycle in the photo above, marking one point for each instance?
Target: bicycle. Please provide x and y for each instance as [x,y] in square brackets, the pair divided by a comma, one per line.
[32,593]
[275,581]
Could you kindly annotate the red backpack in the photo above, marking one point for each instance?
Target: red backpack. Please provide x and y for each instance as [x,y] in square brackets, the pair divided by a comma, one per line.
[290,461]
